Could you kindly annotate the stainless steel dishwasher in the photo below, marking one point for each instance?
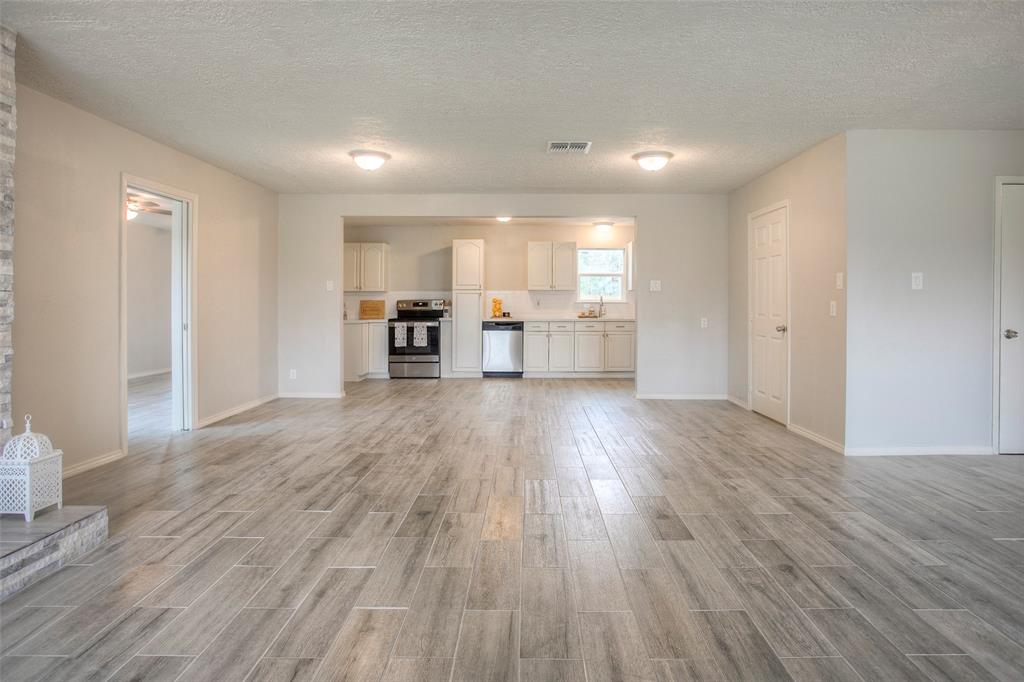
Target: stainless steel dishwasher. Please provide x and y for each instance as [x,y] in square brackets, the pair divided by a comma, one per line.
[503,349]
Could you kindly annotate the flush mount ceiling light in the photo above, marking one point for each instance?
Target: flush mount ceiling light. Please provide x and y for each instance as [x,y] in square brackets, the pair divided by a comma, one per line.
[604,226]
[131,213]
[503,218]
[369,160]
[652,161]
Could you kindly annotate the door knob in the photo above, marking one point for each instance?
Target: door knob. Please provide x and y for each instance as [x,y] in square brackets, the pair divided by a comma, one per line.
[781,329]
[1010,333]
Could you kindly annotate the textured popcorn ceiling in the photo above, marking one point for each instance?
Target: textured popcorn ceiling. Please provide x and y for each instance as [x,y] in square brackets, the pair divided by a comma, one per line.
[465,96]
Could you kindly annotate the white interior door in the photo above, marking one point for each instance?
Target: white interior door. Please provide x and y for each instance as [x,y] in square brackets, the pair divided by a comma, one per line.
[769,313]
[1011,318]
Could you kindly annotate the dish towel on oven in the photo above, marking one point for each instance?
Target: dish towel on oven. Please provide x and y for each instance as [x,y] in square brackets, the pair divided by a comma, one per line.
[419,334]
[399,334]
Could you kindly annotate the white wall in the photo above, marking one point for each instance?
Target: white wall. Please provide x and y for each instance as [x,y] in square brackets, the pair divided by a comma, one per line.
[681,240]
[68,179]
[149,299]
[919,363]
[814,183]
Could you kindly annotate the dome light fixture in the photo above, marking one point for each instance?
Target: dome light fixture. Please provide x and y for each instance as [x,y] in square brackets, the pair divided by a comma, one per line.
[369,160]
[503,218]
[604,226]
[130,213]
[652,161]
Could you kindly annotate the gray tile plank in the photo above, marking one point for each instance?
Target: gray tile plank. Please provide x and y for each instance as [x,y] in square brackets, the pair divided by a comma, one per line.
[321,614]
[544,541]
[503,519]
[551,670]
[284,670]
[237,649]
[952,668]
[369,540]
[151,669]
[633,545]
[595,576]
[360,652]
[612,497]
[496,579]
[424,517]
[661,518]
[550,628]
[456,542]
[667,628]
[701,582]
[804,585]
[864,648]
[346,517]
[830,669]
[418,670]
[290,584]
[738,648]
[191,581]
[993,650]
[431,627]
[393,582]
[613,648]
[488,649]
[582,519]
[542,497]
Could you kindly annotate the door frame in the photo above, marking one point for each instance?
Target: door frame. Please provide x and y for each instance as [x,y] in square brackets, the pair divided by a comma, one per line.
[750,306]
[997,299]
[190,383]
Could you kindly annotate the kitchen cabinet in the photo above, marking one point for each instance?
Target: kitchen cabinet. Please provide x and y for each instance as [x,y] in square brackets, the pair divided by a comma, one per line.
[619,351]
[378,355]
[468,264]
[366,350]
[535,351]
[467,330]
[589,356]
[366,267]
[560,352]
[551,266]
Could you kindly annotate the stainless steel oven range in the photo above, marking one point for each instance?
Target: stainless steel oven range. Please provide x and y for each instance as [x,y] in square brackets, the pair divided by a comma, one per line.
[414,339]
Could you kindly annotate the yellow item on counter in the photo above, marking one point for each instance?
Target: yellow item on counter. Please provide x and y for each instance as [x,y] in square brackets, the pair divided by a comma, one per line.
[495,307]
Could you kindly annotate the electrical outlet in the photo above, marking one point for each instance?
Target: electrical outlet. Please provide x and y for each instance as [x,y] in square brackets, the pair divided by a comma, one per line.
[292,374]
[832,308]
[839,280]
[917,280]
[655,285]
[330,285]
[703,323]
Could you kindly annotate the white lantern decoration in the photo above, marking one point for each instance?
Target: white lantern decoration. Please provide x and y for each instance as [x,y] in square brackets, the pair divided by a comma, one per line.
[30,474]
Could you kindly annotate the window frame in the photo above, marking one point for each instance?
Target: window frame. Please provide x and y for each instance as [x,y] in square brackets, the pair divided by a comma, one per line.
[621,275]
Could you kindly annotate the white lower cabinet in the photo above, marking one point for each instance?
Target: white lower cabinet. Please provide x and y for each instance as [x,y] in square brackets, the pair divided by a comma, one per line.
[378,337]
[366,350]
[560,352]
[589,351]
[535,351]
[619,352]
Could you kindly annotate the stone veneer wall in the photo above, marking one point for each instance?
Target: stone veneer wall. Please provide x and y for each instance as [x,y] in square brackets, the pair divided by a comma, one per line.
[8,126]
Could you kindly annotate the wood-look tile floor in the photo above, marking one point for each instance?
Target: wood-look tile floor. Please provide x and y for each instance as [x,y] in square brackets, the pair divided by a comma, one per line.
[529,530]
[149,409]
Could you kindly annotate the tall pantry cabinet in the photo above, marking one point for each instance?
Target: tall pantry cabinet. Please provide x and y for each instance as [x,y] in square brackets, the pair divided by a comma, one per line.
[467,305]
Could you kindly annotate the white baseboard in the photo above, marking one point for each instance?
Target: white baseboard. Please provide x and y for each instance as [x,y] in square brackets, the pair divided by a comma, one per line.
[817,438]
[680,396]
[739,403]
[92,463]
[314,396]
[149,373]
[231,412]
[914,451]
[578,375]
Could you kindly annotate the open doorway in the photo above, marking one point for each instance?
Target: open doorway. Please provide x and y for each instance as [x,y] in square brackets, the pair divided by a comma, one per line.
[156,296]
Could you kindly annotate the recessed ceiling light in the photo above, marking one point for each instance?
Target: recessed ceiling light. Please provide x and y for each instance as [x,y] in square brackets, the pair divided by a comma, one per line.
[369,160]
[604,226]
[652,161]
[503,218]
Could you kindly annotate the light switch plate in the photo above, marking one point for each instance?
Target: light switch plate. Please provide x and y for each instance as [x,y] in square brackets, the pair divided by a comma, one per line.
[917,280]
[655,285]
[292,374]
[703,323]
[839,280]
[832,308]
[330,285]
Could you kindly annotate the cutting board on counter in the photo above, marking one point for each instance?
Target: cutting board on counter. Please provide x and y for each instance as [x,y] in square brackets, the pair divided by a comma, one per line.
[371,310]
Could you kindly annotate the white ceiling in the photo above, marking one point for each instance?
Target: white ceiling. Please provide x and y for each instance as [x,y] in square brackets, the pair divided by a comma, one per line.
[465,96]
[484,221]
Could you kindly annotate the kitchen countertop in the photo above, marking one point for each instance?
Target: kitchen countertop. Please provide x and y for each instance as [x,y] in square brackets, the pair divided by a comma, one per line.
[558,318]
[364,321]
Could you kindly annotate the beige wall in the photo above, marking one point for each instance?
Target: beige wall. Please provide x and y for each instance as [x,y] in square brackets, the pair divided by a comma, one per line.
[67,258]
[814,183]
[681,240]
[149,299]
[421,257]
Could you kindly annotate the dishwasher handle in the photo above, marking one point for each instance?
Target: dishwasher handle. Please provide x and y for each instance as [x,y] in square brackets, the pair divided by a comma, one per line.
[503,326]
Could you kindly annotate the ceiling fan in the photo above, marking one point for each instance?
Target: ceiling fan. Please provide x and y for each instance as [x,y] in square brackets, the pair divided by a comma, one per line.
[137,204]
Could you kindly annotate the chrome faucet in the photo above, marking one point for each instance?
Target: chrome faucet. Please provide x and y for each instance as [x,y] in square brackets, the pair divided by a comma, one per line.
[600,308]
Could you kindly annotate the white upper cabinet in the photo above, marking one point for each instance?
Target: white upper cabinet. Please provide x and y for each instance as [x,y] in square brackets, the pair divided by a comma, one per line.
[551,266]
[367,267]
[350,278]
[468,264]
[563,266]
[538,265]
[375,265]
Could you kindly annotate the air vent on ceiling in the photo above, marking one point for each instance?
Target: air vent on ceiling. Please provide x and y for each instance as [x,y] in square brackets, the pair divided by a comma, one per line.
[568,147]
